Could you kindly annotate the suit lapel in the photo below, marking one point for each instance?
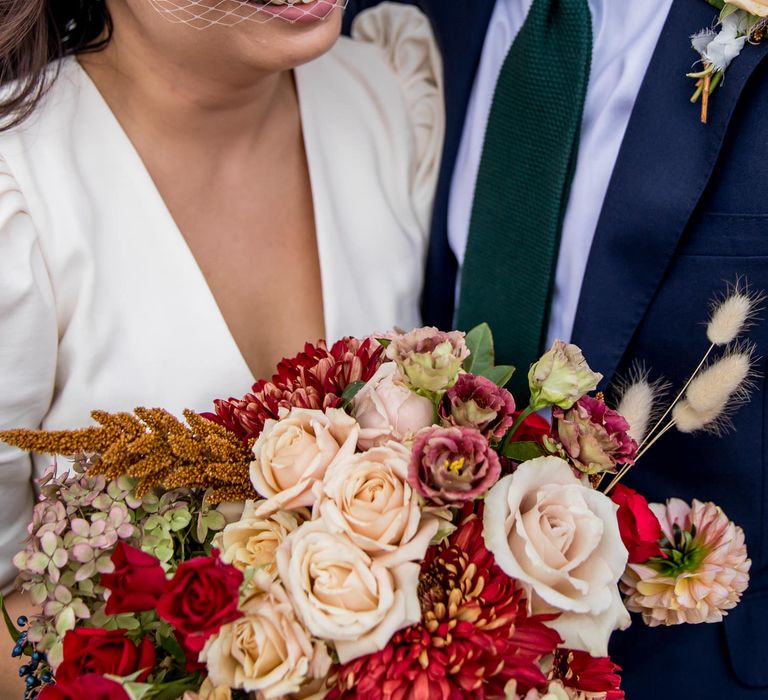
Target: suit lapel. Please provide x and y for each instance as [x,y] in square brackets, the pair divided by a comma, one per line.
[460,29]
[664,165]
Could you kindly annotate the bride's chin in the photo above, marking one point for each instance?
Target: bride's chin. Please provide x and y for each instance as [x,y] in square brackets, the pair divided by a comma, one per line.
[285,44]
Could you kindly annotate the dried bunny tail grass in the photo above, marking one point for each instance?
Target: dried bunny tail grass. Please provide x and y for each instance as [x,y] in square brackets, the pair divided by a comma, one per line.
[717,392]
[640,401]
[735,313]
[687,420]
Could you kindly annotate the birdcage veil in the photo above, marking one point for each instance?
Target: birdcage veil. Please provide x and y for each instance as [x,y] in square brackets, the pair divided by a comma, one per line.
[202,14]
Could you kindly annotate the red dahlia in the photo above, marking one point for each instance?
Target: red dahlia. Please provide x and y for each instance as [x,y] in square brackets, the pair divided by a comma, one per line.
[475,634]
[315,378]
[594,677]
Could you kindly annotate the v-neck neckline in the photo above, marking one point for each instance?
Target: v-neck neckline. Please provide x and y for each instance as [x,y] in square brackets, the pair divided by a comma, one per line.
[163,211]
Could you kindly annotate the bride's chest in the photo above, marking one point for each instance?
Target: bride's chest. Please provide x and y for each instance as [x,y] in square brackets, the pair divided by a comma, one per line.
[251,231]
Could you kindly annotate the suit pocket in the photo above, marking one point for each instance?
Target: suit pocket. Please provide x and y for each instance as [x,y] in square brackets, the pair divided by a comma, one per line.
[726,235]
[745,631]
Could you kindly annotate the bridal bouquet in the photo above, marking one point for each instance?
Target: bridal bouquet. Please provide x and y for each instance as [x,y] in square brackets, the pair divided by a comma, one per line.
[380,520]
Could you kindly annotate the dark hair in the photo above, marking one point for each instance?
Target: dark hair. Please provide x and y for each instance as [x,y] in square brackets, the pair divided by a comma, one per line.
[36,33]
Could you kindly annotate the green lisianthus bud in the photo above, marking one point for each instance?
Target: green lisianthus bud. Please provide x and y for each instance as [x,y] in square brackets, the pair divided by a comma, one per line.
[561,377]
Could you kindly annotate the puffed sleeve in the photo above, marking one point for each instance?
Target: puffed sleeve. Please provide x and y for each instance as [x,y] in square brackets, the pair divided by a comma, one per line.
[28,343]
[405,35]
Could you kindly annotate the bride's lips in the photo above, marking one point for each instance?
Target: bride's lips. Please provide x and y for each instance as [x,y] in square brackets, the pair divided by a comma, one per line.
[303,13]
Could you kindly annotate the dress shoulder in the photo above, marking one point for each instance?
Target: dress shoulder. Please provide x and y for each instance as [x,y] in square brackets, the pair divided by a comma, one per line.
[404,35]
[28,341]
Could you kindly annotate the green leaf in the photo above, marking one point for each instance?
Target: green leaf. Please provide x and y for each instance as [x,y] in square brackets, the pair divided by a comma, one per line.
[384,342]
[15,634]
[173,648]
[481,358]
[480,343]
[727,11]
[350,392]
[523,451]
[500,375]
[173,690]
[717,4]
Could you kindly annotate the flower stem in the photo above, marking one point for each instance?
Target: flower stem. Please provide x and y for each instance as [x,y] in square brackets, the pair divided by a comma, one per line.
[699,89]
[665,429]
[705,98]
[516,426]
[623,472]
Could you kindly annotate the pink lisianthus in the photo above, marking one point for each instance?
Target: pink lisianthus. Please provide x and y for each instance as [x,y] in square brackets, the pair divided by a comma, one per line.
[593,436]
[429,359]
[476,402]
[450,466]
[704,572]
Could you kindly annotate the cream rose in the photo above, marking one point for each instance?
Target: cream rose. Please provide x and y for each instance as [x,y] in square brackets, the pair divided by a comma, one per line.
[387,409]
[344,596]
[251,541]
[754,7]
[561,540]
[367,497]
[293,453]
[267,650]
[208,692]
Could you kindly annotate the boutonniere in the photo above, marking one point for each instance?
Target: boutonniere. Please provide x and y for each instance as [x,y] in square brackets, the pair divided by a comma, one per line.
[740,22]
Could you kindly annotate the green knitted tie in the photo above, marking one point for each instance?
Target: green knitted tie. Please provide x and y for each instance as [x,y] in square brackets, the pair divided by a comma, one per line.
[528,160]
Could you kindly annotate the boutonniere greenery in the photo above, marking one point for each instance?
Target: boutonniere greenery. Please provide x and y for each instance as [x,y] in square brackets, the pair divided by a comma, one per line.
[740,22]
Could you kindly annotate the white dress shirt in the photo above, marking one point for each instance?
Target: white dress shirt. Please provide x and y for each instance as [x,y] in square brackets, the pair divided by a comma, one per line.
[624,37]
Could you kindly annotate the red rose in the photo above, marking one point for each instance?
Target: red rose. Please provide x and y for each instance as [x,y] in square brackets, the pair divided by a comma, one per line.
[639,528]
[137,582]
[91,686]
[99,651]
[202,596]
[533,429]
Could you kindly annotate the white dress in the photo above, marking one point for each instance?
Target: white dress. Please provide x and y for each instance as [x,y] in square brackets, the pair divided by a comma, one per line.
[102,305]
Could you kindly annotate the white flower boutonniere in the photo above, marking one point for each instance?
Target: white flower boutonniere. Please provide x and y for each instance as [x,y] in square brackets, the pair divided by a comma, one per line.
[740,22]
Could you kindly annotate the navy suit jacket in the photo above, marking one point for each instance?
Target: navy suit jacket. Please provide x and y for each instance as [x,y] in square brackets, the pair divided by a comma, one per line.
[686,211]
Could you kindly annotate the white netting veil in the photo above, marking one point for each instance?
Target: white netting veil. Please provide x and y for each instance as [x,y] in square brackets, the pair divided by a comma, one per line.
[202,14]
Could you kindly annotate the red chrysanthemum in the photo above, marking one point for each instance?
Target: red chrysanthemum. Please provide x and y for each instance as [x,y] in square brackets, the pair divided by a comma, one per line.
[595,677]
[475,634]
[315,378]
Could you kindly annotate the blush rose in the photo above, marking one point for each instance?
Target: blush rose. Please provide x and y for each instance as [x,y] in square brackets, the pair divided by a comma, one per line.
[251,541]
[292,454]
[387,409]
[561,541]
[266,651]
[367,497]
[344,596]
